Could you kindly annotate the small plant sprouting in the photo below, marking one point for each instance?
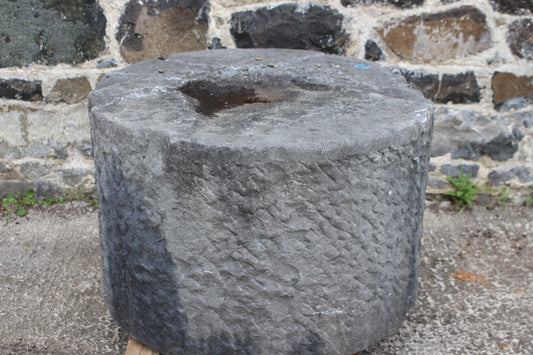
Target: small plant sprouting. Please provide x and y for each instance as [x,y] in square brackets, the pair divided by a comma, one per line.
[18,204]
[78,196]
[465,191]
[502,196]
[530,201]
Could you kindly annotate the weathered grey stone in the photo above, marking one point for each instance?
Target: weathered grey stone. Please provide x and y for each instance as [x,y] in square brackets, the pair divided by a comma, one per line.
[259,206]
[437,183]
[4,168]
[455,170]
[33,170]
[317,28]
[87,150]
[50,31]
[18,89]
[469,135]
[42,187]
[59,151]
[526,117]
[110,63]
[500,176]
[75,177]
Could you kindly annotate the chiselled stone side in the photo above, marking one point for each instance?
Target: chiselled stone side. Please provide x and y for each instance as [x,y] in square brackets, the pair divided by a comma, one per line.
[270,228]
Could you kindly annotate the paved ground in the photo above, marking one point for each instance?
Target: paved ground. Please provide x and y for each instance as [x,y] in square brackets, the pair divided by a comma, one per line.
[476,291]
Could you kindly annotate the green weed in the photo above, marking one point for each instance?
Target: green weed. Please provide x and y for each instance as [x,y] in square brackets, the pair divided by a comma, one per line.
[465,192]
[530,201]
[18,204]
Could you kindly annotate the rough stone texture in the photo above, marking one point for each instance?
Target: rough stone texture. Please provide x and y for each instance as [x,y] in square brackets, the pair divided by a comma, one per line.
[511,91]
[43,133]
[110,63]
[526,117]
[438,37]
[50,31]
[41,187]
[523,174]
[373,52]
[520,38]
[516,7]
[18,89]
[457,88]
[256,208]
[70,91]
[316,28]
[155,29]
[469,135]
[404,4]
[455,170]
[34,170]
[216,44]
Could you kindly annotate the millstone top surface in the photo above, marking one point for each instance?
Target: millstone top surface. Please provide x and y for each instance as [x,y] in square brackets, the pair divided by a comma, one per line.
[263,98]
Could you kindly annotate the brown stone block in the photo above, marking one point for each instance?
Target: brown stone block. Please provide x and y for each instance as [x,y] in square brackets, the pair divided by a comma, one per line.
[71,90]
[154,30]
[438,37]
[507,86]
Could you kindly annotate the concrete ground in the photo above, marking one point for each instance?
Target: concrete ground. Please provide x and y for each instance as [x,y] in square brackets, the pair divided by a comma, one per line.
[476,285]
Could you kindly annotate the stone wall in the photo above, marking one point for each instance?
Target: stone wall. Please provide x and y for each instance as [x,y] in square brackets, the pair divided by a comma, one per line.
[472,58]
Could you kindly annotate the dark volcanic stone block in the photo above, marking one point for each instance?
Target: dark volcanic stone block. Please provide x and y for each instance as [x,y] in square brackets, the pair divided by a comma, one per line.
[372,51]
[520,38]
[458,88]
[285,26]
[404,4]
[260,206]
[427,83]
[515,7]
[18,89]
[155,29]
[50,31]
